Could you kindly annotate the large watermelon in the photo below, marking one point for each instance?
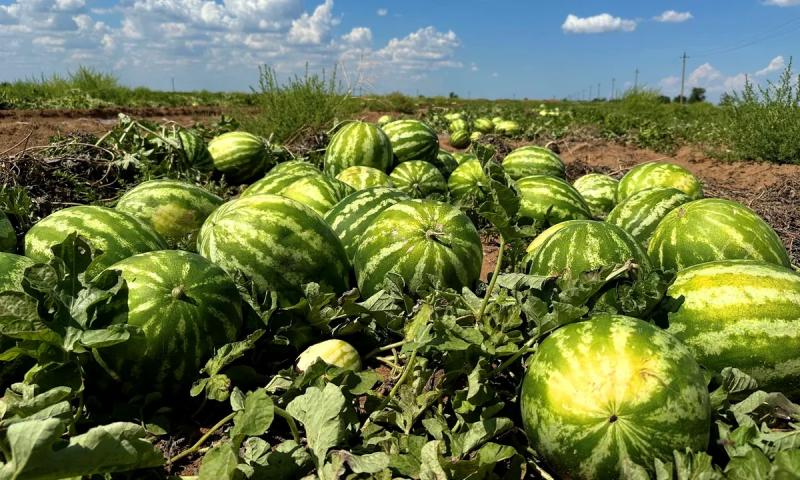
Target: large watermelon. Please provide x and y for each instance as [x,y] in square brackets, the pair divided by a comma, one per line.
[358,143]
[611,389]
[194,148]
[12,267]
[713,229]
[351,217]
[468,181]
[581,246]
[508,127]
[176,210]
[418,179]
[278,243]
[8,237]
[360,177]
[412,140]
[445,162]
[483,125]
[599,191]
[118,235]
[640,213]
[241,156]
[459,139]
[421,240]
[743,314]
[186,308]
[294,167]
[317,191]
[659,174]
[533,160]
[458,124]
[549,200]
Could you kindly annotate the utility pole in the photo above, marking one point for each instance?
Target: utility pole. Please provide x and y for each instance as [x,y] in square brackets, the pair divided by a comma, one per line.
[590,92]
[598,90]
[636,81]
[683,76]
[613,87]
[173,84]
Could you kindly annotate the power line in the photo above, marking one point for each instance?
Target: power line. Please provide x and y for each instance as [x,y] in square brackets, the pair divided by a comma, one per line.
[782,29]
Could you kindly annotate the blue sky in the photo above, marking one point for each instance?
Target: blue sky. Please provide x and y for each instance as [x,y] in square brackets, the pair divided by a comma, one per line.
[480,48]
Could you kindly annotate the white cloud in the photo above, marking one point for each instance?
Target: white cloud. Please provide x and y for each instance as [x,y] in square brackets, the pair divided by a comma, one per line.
[495,74]
[671,16]
[426,46]
[704,74]
[776,64]
[473,67]
[382,12]
[358,36]
[597,24]
[782,3]
[313,29]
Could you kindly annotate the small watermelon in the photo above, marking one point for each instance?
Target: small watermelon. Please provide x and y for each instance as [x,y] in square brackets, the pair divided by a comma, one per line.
[412,140]
[358,143]
[599,191]
[459,139]
[241,156]
[659,174]
[533,160]
[468,182]
[549,200]
[337,353]
[418,179]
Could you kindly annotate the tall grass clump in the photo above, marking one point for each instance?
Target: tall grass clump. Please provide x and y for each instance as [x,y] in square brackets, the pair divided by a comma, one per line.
[302,104]
[763,122]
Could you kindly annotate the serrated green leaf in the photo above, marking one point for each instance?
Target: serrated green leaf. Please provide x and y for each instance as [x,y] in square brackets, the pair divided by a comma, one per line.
[320,412]
[219,463]
[255,418]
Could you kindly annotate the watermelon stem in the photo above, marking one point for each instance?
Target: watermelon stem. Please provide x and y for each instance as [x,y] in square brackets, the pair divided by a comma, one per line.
[194,448]
[384,349]
[513,358]
[290,421]
[493,281]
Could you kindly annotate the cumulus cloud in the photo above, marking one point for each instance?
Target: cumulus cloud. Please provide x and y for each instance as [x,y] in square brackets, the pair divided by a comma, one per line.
[382,12]
[776,64]
[358,36]
[671,16]
[602,23]
[313,29]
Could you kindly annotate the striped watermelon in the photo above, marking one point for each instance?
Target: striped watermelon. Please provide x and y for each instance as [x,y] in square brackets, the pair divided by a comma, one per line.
[640,213]
[459,139]
[360,177]
[12,267]
[420,240]
[412,140]
[463,157]
[611,389]
[241,156]
[743,314]
[549,231]
[549,200]
[497,120]
[475,136]
[194,148]
[659,174]
[8,237]
[278,243]
[358,143]
[458,124]
[713,229]
[582,246]
[483,125]
[175,210]
[418,179]
[351,217]
[186,307]
[294,167]
[384,119]
[319,192]
[333,352]
[508,127]
[533,160]
[117,234]
[468,182]
[599,191]
[445,162]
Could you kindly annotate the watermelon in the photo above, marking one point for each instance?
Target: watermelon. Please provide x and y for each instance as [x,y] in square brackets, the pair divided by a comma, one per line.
[743,314]
[497,120]
[241,156]
[294,167]
[640,213]
[384,119]
[360,177]
[549,231]
[12,268]
[459,139]
[445,162]
[659,174]
[8,237]
[458,124]
[418,179]
[475,136]
[194,148]
[351,217]
[508,127]
[358,143]
[599,191]
[609,390]
[319,192]
[118,235]
[186,308]
[533,160]
[463,157]
[453,116]
[483,125]
[278,243]
[549,200]
[175,210]
[713,229]
[333,352]
[412,140]
[468,181]
[422,241]
[582,246]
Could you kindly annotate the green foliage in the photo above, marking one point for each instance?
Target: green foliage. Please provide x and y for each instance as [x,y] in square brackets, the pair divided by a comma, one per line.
[763,122]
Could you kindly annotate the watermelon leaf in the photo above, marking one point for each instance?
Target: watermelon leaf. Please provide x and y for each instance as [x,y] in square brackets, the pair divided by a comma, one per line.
[217,385]
[320,411]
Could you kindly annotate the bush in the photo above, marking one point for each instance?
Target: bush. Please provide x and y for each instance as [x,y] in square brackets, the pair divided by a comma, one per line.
[763,123]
